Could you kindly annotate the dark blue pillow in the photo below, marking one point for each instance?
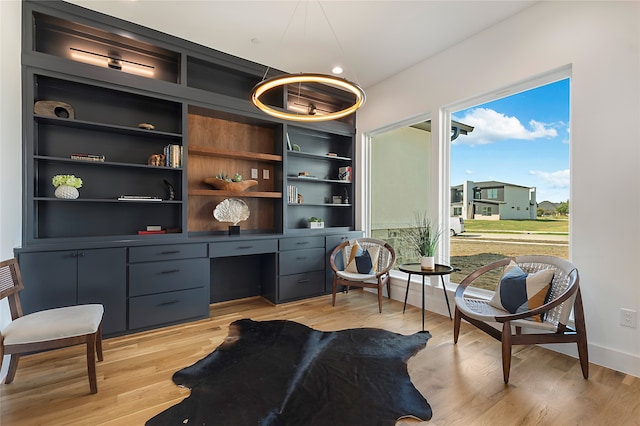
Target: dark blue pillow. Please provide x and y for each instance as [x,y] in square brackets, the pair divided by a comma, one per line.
[363,263]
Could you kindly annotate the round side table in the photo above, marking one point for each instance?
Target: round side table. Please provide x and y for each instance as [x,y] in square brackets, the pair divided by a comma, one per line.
[415,269]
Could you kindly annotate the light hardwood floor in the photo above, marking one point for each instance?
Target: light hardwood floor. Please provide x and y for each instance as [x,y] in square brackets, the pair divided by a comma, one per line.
[463,382]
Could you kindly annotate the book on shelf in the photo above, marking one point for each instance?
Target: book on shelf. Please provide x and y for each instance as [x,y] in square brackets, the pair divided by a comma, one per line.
[162,231]
[154,228]
[173,156]
[292,194]
[87,157]
[138,198]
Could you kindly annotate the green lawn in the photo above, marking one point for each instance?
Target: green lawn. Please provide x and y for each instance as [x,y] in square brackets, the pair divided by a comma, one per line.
[550,226]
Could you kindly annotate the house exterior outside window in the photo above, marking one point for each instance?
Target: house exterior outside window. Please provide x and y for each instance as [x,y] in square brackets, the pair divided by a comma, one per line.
[493,200]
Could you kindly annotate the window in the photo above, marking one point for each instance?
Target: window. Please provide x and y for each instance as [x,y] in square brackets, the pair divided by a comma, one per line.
[522,141]
[457,211]
[399,183]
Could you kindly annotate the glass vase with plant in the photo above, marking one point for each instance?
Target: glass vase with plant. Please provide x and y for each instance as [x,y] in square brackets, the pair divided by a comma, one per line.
[66,186]
[423,238]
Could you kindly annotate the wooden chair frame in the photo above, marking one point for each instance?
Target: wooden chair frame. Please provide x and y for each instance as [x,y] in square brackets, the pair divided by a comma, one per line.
[386,261]
[564,297]
[93,341]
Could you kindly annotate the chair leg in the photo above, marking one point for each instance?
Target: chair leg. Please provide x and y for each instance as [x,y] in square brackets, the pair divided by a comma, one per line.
[388,281]
[99,343]
[91,363]
[380,297]
[456,325]
[581,331]
[13,366]
[506,351]
[333,293]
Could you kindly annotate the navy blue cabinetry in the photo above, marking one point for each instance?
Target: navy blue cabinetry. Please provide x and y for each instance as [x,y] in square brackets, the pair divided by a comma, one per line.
[167,283]
[53,279]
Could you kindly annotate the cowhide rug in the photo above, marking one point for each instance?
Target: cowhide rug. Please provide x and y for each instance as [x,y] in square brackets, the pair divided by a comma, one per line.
[285,373]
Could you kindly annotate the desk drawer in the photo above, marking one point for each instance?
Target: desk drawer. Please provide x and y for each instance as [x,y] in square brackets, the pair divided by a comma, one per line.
[298,261]
[300,243]
[241,248]
[159,277]
[167,252]
[147,311]
[301,285]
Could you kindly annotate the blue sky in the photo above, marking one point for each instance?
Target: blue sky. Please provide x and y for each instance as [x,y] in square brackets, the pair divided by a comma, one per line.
[522,139]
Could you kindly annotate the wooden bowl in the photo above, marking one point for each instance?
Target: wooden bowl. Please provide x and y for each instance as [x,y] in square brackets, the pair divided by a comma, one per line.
[225,185]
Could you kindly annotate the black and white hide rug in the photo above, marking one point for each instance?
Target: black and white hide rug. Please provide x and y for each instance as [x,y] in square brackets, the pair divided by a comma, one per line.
[285,373]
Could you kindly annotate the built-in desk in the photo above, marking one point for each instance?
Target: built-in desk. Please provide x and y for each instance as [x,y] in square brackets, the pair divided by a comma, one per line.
[149,283]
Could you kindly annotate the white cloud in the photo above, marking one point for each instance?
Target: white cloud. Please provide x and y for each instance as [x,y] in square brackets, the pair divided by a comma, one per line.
[469,172]
[559,179]
[491,126]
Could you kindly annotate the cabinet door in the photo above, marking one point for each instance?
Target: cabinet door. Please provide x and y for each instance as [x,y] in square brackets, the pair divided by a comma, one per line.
[102,279]
[49,280]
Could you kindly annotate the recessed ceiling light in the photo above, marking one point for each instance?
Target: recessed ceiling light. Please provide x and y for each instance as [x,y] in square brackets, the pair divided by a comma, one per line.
[337,70]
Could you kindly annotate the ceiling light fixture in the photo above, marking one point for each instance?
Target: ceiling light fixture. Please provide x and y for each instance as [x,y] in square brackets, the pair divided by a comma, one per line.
[329,80]
[311,113]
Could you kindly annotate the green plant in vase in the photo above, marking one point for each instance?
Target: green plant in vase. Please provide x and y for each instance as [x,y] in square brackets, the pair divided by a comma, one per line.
[315,222]
[66,186]
[424,237]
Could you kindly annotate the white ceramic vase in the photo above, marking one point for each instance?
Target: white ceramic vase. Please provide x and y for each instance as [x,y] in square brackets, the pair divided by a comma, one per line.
[67,192]
[427,263]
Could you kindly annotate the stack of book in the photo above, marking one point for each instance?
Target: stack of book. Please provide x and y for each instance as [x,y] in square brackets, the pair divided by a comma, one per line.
[173,156]
[153,229]
[87,157]
[292,194]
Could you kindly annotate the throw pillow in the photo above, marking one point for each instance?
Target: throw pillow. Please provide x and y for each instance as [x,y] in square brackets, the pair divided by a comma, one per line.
[351,252]
[363,263]
[519,291]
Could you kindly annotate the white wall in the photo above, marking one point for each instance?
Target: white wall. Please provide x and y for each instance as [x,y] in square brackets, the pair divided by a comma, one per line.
[400,174]
[600,42]
[10,138]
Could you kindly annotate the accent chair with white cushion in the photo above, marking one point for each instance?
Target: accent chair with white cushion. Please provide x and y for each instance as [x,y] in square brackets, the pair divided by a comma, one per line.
[364,262]
[48,329]
[537,293]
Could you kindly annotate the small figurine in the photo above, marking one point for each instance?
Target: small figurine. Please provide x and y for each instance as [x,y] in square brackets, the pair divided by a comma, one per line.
[156,160]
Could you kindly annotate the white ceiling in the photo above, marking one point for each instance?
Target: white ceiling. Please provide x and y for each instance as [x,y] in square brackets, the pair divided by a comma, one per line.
[372,40]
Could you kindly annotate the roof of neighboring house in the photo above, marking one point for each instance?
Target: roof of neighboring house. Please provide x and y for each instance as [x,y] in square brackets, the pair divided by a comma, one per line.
[495,183]
[463,128]
[491,184]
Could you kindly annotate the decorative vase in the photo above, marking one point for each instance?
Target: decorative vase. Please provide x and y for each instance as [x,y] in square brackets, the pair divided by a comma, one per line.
[67,192]
[427,263]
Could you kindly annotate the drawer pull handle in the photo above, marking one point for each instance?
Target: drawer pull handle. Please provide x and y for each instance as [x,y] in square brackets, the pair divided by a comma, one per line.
[244,247]
[301,258]
[171,271]
[303,281]
[171,302]
[170,252]
[302,242]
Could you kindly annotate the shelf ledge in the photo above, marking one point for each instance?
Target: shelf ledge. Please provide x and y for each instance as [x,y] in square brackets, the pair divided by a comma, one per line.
[244,155]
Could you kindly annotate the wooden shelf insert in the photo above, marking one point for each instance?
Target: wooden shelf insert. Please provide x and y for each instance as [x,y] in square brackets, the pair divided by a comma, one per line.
[244,155]
[235,194]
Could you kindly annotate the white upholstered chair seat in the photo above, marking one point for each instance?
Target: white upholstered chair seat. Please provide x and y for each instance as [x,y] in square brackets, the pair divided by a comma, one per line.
[481,310]
[356,277]
[53,324]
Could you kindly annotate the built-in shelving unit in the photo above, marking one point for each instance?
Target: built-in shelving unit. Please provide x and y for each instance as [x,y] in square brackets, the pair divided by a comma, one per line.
[314,162]
[104,99]
[223,143]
